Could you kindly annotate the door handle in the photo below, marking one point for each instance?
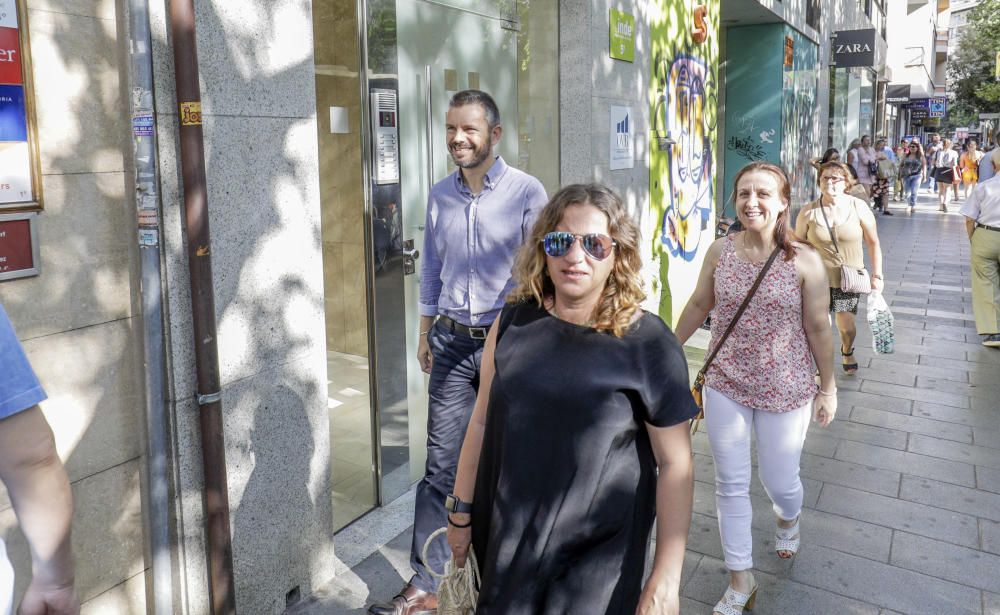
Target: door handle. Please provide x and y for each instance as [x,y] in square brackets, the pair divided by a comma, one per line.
[410,256]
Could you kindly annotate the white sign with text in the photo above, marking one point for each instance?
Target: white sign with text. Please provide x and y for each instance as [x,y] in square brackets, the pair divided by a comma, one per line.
[622,138]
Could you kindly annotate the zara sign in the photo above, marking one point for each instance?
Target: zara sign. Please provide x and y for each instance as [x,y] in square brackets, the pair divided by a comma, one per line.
[853,48]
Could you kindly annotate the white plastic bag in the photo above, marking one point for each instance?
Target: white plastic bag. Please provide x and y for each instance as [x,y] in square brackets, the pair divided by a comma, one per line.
[880,321]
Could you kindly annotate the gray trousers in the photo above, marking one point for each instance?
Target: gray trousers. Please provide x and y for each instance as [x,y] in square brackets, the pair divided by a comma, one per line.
[452,396]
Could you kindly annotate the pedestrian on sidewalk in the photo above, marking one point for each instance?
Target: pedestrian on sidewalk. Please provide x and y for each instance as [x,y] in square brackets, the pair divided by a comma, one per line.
[38,487]
[863,160]
[580,433]
[836,213]
[986,170]
[957,181]
[762,378]
[476,217]
[968,164]
[945,173]
[982,221]
[899,186]
[912,167]
[828,155]
[885,171]
[933,147]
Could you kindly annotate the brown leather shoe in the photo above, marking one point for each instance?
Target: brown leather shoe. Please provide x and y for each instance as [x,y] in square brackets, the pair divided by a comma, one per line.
[409,601]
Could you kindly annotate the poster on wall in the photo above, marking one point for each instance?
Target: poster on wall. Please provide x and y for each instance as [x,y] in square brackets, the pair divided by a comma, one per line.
[684,45]
[15,152]
[622,144]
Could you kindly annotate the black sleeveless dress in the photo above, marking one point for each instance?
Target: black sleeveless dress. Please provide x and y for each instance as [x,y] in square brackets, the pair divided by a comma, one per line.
[566,486]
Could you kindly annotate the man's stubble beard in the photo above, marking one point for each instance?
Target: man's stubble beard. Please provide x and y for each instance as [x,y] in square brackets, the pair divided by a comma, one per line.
[477,159]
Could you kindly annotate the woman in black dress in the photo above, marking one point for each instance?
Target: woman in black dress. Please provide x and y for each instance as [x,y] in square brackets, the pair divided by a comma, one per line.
[579,435]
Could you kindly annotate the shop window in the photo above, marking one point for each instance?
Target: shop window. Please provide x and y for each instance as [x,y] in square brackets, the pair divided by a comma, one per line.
[813,14]
[875,10]
[20,186]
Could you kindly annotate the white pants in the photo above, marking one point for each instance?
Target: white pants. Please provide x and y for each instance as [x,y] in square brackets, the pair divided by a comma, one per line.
[6,582]
[780,437]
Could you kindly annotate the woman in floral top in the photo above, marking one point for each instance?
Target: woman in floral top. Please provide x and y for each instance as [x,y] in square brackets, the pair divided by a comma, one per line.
[762,379]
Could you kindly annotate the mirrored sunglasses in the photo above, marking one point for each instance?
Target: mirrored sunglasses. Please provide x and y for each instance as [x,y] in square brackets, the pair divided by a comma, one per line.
[597,246]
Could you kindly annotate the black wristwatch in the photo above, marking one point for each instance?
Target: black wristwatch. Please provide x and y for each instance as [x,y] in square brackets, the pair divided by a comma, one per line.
[454,505]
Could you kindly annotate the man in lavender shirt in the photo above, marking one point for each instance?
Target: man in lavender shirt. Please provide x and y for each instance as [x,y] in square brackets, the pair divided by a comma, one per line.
[477,218]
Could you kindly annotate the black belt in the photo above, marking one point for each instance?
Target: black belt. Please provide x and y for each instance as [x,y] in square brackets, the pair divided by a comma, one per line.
[988,228]
[476,333]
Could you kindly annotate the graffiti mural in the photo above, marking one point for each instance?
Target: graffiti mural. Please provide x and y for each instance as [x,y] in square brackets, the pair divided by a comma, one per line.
[689,197]
[684,95]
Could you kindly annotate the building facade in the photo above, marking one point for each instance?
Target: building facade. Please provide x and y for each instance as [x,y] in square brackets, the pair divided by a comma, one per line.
[784,99]
[919,43]
[323,130]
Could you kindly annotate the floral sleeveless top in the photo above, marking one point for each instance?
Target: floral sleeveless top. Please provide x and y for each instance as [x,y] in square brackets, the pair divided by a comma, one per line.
[766,363]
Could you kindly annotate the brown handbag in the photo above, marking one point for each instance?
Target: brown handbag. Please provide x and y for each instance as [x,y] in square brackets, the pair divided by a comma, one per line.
[699,380]
[852,279]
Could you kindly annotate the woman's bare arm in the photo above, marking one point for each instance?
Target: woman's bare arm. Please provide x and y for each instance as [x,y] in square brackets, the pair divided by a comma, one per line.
[468,460]
[674,497]
[870,230]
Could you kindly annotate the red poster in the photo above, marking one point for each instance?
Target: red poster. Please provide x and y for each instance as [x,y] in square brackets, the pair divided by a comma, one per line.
[15,246]
[10,57]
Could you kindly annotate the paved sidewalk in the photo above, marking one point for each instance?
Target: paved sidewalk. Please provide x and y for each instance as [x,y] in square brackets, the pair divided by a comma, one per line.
[902,490]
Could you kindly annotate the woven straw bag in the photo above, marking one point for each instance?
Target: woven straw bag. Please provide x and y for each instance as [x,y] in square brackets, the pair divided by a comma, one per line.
[458,591]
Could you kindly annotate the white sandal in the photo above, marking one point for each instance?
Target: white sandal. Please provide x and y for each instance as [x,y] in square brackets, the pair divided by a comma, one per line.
[787,539]
[734,602]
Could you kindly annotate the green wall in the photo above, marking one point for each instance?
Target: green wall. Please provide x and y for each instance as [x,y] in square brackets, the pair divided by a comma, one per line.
[771,107]
[753,98]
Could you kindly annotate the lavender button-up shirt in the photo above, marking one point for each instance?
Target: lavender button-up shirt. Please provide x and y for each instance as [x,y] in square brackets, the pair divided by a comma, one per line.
[470,242]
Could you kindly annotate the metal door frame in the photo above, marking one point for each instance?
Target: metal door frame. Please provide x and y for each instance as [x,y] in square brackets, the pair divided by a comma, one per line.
[367,173]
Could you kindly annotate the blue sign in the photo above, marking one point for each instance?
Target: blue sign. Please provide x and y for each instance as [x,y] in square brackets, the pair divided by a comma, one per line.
[13,121]
[936,107]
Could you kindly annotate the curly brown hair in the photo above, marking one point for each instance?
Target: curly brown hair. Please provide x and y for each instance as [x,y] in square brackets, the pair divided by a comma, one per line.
[622,293]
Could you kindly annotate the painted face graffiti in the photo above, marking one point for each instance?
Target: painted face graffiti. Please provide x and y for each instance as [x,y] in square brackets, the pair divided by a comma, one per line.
[689,206]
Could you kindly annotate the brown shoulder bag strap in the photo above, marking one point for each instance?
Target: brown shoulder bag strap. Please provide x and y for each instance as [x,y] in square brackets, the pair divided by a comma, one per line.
[739,312]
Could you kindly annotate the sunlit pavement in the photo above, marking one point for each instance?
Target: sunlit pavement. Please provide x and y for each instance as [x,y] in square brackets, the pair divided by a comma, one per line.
[902,491]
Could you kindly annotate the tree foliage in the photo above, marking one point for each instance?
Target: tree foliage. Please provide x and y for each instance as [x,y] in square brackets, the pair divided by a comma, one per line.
[971,68]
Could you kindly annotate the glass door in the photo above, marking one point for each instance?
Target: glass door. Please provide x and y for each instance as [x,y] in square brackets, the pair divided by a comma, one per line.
[385,70]
[342,207]
[443,49]
[417,54]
